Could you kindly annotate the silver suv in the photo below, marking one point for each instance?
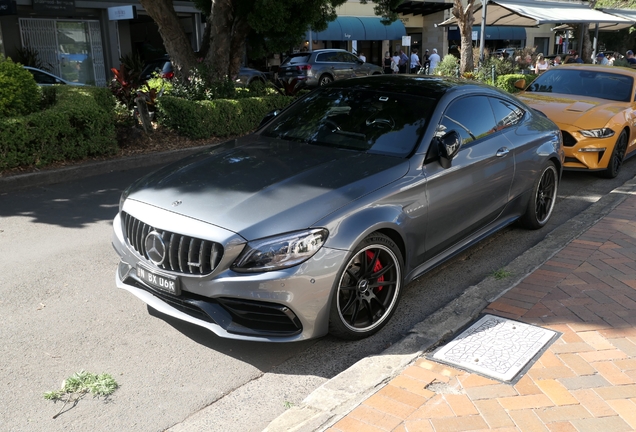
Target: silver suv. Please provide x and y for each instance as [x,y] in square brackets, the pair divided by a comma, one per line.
[323,66]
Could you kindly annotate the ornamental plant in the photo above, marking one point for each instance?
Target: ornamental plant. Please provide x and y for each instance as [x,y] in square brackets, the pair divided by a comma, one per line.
[19,94]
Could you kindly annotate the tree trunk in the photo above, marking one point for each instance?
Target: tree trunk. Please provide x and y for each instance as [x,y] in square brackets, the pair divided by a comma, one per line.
[228,33]
[465,22]
[174,38]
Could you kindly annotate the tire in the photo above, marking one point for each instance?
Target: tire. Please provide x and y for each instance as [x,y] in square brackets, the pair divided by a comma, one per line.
[542,200]
[325,79]
[618,155]
[368,288]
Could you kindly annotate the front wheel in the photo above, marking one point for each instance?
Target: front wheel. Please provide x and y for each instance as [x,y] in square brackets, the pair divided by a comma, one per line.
[618,155]
[542,200]
[367,289]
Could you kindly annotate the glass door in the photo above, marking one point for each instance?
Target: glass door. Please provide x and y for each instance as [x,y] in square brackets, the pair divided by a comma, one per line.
[76,63]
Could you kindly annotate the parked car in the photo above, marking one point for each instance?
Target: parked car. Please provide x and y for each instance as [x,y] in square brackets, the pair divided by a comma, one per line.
[501,51]
[164,68]
[593,106]
[44,78]
[323,66]
[315,222]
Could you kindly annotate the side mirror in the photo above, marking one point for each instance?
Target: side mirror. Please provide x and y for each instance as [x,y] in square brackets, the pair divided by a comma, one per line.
[448,147]
[270,115]
[520,84]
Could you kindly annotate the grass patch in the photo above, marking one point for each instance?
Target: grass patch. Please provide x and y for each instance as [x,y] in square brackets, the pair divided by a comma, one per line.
[501,274]
[79,385]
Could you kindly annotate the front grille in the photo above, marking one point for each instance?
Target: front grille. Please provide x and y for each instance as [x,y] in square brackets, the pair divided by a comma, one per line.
[568,140]
[183,254]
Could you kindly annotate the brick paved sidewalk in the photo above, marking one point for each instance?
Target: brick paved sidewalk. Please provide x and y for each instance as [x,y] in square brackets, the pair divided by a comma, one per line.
[585,381]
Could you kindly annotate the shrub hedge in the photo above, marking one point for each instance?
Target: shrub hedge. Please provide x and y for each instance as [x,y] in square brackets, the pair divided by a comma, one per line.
[19,94]
[219,117]
[80,124]
[507,82]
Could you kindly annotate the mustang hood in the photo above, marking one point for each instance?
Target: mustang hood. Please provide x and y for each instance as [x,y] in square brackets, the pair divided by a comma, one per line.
[585,113]
[258,187]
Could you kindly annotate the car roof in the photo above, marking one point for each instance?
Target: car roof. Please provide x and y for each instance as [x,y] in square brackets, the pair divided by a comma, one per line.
[419,85]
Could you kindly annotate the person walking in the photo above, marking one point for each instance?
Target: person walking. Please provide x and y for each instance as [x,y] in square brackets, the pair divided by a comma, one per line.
[434,59]
[415,62]
[395,64]
[362,57]
[629,55]
[404,62]
[387,63]
[601,59]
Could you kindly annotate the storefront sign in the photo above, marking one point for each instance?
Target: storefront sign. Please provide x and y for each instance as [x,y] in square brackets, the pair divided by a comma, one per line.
[8,7]
[65,7]
[122,13]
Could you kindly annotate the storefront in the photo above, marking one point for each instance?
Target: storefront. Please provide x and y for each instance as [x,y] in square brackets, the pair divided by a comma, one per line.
[81,41]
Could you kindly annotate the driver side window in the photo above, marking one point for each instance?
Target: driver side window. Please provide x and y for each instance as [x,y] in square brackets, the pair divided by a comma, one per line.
[471,117]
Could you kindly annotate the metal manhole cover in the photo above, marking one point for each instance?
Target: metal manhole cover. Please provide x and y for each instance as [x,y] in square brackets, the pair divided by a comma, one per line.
[496,347]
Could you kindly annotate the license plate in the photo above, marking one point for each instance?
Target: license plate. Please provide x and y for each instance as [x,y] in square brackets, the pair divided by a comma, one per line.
[162,282]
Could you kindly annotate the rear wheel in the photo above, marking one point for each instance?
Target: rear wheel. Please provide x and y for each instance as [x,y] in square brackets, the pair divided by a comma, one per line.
[541,202]
[325,79]
[618,155]
[368,289]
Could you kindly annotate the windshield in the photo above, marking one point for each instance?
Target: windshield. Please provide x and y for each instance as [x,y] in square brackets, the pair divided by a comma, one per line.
[599,84]
[355,119]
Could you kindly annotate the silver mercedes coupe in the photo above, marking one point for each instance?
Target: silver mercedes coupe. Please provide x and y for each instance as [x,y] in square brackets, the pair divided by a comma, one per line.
[314,223]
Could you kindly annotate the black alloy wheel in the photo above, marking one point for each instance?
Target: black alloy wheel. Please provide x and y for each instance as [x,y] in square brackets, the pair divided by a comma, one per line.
[544,196]
[368,289]
[618,156]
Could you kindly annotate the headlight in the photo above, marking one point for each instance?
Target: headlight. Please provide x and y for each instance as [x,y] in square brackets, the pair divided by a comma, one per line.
[279,252]
[597,133]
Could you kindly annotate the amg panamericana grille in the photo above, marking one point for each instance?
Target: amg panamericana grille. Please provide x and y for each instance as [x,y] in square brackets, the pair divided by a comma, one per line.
[184,254]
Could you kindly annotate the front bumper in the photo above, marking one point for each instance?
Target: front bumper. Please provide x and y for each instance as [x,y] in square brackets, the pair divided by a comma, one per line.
[278,306]
[583,153]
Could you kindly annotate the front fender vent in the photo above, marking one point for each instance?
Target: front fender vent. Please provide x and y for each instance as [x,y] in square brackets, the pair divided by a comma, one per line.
[183,254]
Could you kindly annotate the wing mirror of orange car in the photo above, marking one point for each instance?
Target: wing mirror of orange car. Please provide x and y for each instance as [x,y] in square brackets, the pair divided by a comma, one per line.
[520,84]
[448,147]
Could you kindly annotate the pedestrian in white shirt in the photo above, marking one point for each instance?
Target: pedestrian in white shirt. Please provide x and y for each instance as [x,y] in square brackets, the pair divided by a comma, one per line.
[434,59]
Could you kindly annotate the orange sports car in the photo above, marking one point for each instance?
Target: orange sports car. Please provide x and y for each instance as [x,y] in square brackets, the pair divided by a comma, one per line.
[594,107]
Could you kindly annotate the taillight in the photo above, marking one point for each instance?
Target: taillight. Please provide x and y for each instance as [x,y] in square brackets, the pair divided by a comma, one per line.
[167,75]
[304,67]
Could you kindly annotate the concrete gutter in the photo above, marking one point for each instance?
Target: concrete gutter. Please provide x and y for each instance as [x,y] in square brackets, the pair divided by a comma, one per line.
[340,395]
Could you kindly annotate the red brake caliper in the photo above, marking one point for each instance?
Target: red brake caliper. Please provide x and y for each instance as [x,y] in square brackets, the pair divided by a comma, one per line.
[378,266]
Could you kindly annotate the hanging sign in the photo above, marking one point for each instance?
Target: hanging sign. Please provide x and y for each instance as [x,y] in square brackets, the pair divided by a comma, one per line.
[118,13]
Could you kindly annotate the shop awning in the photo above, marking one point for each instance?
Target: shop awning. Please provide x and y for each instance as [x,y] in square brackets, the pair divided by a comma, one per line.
[532,13]
[492,33]
[360,28]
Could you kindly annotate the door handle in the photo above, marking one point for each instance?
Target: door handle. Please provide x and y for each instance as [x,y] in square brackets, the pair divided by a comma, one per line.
[502,151]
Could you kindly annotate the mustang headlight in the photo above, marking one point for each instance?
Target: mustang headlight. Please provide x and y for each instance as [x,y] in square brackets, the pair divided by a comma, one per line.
[597,133]
[279,252]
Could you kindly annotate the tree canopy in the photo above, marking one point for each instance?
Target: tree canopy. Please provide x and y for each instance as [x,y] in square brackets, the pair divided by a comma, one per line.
[268,26]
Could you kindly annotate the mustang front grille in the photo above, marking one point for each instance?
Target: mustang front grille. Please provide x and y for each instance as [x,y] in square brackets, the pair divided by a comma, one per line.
[177,253]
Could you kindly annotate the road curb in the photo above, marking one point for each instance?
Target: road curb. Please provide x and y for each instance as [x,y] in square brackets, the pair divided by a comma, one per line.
[337,397]
[89,169]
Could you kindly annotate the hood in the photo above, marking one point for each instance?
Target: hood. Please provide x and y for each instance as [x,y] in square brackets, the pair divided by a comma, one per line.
[258,187]
[584,112]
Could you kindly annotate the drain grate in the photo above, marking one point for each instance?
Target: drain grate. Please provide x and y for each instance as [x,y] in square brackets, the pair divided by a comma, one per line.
[496,347]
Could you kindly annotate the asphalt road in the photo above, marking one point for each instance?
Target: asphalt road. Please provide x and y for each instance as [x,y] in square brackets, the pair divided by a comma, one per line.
[60,313]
